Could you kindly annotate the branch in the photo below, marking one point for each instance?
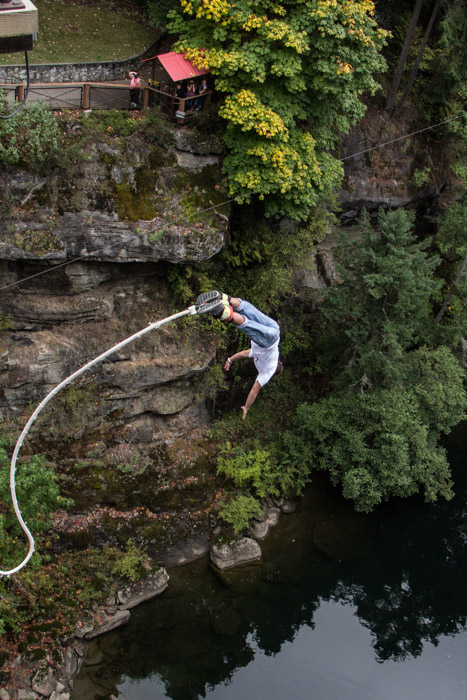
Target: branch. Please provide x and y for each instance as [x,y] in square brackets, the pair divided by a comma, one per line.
[223,216]
[31,192]
[29,597]
[364,383]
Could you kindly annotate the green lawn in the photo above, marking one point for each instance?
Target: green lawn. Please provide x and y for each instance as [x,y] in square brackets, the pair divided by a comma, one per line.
[80,30]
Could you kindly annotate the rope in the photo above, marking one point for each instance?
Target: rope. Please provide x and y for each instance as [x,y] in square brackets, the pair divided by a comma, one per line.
[406,136]
[192,310]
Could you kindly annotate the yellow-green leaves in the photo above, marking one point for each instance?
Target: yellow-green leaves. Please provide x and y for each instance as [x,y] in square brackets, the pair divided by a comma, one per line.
[291,74]
[246,111]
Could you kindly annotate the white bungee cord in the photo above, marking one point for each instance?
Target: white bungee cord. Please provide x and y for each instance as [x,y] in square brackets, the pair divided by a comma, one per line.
[192,310]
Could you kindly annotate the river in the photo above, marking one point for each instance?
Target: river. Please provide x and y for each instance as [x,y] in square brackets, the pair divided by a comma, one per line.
[345,607]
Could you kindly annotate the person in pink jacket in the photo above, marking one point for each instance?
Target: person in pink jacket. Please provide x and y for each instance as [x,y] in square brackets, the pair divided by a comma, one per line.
[135,84]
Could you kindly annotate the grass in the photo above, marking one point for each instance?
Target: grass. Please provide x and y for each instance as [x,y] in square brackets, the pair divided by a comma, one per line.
[81,30]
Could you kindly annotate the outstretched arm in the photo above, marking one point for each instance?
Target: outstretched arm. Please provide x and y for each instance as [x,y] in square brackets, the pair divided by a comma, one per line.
[243,355]
[250,399]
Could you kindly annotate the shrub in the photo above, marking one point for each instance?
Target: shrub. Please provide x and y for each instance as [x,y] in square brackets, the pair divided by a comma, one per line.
[131,564]
[38,493]
[239,511]
[262,472]
[31,137]
[155,126]
[110,122]
[255,469]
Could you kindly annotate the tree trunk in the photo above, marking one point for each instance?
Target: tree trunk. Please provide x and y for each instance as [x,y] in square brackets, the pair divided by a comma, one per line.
[391,99]
[416,65]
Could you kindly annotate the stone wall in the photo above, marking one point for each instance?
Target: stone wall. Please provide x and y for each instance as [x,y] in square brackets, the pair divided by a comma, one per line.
[100,71]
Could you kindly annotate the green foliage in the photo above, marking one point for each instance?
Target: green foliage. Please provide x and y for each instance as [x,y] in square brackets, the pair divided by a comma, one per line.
[451,240]
[187,281]
[260,261]
[239,511]
[261,471]
[448,79]
[37,491]
[292,74]
[43,603]
[381,439]
[38,496]
[382,444]
[254,469]
[421,177]
[382,307]
[107,123]
[437,381]
[158,11]
[452,233]
[31,137]
[155,126]
[131,564]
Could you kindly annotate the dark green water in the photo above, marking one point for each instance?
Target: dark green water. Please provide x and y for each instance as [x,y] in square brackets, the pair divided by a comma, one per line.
[345,606]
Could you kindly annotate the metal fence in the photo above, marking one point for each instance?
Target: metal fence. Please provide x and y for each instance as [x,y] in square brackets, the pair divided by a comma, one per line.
[56,97]
[63,96]
[73,95]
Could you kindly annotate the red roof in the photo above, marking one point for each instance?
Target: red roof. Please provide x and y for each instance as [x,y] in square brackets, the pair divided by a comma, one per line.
[178,67]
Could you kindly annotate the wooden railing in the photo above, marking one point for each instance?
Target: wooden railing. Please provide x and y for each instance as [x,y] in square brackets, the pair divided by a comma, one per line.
[94,95]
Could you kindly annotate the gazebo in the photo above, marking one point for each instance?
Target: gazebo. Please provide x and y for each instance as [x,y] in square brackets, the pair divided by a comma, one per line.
[164,71]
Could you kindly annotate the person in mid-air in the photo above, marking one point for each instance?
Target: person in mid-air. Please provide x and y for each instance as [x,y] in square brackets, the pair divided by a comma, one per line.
[263,332]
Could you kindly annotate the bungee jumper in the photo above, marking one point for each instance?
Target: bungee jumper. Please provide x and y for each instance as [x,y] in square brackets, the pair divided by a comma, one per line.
[263,331]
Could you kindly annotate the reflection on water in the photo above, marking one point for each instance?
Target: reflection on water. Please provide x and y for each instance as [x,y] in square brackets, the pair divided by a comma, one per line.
[337,593]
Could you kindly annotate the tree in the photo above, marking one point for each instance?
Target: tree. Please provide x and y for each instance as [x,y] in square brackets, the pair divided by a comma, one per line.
[446,66]
[448,84]
[418,59]
[377,435]
[383,444]
[396,81]
[158,11]
[451,239]
[292,75]
[381,309]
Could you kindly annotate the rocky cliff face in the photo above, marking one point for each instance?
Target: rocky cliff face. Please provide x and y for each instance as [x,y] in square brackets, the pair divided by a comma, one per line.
[125,212]
[380,163]
[86,309]
[94,246]
[126,437]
